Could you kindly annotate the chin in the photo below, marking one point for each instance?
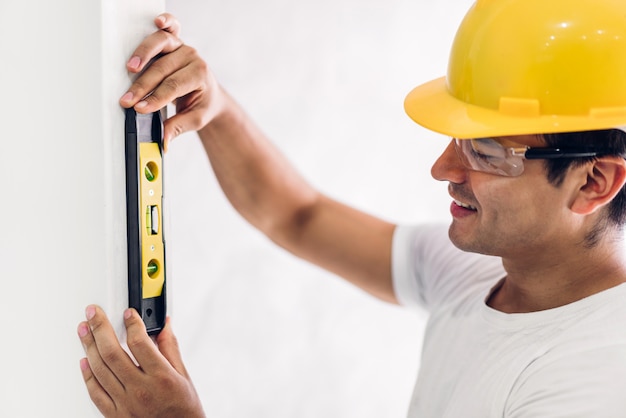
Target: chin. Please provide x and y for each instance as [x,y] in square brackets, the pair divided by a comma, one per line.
[457,238]
[466,242]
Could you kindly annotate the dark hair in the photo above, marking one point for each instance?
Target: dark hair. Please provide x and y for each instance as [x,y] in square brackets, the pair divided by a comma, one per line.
[606,142]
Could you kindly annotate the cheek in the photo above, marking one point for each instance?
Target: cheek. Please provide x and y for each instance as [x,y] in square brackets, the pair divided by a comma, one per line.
[495,195]
[513,202]
[535,207]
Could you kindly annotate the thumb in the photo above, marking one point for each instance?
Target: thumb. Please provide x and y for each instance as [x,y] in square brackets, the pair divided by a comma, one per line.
[181,122]
[168,346]
[171,129]
[193,112]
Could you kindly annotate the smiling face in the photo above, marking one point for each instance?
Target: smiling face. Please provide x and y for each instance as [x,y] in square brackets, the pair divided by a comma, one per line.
[505,216]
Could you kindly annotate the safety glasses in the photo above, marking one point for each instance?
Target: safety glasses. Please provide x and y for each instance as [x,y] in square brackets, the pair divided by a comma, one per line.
[489,156]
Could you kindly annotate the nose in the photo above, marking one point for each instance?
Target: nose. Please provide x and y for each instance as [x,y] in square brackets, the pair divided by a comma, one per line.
[449,167]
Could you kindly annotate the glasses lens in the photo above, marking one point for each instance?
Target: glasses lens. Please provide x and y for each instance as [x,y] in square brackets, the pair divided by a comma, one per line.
[489,156]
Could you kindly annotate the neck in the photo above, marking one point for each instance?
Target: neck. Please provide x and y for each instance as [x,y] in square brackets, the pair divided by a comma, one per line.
[551,279]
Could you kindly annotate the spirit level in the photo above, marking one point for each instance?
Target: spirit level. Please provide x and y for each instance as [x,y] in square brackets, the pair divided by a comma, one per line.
[144,213]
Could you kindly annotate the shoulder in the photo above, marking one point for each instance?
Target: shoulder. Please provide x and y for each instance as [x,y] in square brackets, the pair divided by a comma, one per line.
[428,270]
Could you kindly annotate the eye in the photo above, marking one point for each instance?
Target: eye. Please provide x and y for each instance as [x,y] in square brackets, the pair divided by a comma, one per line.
[481,155]
[487,149]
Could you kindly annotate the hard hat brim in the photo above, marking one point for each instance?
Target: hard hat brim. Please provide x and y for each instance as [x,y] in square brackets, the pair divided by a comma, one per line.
[433,107]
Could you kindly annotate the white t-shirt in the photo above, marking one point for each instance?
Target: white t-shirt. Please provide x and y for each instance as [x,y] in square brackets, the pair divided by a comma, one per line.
[477,362]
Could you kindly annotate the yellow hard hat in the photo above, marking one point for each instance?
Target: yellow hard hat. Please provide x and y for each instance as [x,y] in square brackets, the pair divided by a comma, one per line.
[530,66]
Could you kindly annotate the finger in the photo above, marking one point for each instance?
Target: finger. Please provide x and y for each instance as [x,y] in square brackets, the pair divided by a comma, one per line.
[140,343]
[102,376]
[106,352]
[159,42]
[168,346]
[160,83]
[98,395]
[171,80]
[191,119]
[173,127]
[168,23]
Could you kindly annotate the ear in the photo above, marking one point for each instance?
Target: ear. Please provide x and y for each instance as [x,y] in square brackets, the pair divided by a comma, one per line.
[605,178]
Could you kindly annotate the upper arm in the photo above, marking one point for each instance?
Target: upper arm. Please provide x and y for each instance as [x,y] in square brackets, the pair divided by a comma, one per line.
[343,240]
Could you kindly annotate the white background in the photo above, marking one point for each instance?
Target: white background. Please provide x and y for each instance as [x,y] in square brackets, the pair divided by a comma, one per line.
[265,334]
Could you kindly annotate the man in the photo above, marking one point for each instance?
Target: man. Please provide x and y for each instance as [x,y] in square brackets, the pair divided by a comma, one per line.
[525,290]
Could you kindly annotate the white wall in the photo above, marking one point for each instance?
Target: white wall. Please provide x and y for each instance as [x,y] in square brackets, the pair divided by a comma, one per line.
[62,217]
[264,334]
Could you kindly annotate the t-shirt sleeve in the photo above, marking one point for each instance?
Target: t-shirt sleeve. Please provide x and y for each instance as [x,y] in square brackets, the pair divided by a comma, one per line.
[428,270]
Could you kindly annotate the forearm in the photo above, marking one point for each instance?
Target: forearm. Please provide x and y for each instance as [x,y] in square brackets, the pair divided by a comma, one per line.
[267,191]
[256,178]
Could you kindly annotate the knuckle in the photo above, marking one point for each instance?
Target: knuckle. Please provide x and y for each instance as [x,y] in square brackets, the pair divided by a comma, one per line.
[190,50]
[160,68]
[99,370]
[196,120]
[95,324]
[134,341]
[200,65]
[178,130]
[171,84]
[143,396]
[167,382]
[143,50]
[109,355]
[163,69]
[167,89]
[139,86]
[174,42]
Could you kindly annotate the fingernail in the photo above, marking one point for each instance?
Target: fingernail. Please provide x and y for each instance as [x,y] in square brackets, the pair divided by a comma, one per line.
[90,312]
[127,97]
[83,330]
[127,314]
[134,62]
[161,19]
[84,364]
[141,104]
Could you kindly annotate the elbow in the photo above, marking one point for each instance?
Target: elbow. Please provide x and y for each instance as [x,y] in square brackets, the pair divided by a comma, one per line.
[288,228]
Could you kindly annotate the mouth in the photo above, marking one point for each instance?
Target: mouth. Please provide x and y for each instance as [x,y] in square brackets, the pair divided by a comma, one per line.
[464,205]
